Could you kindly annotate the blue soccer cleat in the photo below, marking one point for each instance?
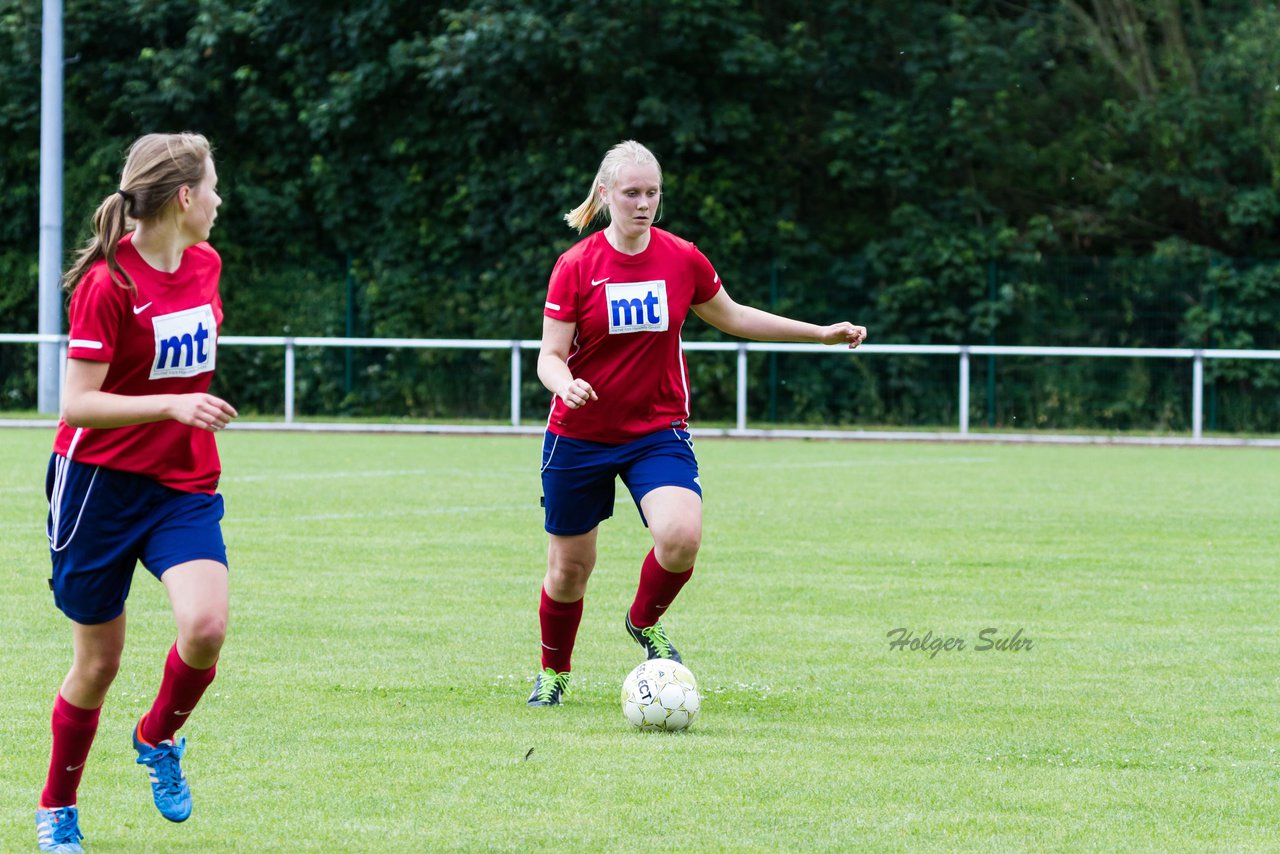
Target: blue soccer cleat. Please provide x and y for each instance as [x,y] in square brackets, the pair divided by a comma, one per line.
[59,830]
[169,786]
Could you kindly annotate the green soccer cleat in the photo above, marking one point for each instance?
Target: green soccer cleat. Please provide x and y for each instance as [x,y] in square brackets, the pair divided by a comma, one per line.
[549,688]
[654,640]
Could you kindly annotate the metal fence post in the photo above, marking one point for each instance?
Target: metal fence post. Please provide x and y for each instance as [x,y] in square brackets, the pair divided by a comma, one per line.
[964,389]
[516,382]
[742,385]
[289,375]
[62,372]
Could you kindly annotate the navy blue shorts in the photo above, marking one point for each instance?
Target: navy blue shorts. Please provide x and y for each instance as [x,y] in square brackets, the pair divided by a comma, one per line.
[102,522]
[578,475]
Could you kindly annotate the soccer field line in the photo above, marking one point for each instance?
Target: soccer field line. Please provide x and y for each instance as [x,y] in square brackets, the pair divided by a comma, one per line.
[258,519]
[336,475]
[831,464]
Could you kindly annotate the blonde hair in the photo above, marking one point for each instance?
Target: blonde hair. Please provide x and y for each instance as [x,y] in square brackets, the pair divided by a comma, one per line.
[157,166]
[625,153]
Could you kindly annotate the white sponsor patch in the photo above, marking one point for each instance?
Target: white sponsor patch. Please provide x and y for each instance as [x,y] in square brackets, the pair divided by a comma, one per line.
[636,306]
[186,343]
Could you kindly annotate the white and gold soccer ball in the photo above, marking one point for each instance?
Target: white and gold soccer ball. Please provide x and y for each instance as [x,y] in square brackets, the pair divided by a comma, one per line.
[660,694]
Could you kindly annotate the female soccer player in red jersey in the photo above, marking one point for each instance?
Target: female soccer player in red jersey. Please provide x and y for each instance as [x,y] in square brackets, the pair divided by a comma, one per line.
[611,355]
[134,472]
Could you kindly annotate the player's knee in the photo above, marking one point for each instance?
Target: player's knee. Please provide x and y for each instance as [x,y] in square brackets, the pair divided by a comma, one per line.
[204,633]
[677,549]
[97,673]
[569,571]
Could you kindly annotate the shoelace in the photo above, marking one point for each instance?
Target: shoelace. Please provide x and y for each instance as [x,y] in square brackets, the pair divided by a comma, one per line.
[163,762]
[658,639]
[63,828]
[549,682]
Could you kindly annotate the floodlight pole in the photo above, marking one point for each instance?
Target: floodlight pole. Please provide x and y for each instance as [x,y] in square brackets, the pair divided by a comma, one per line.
[50,273]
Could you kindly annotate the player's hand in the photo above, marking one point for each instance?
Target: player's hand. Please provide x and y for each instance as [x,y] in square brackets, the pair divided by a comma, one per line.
[844,333]
[577,394]
[203,411]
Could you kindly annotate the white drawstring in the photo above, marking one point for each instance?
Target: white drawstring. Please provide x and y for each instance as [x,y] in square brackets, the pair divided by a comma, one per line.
[552,454]
[61,466]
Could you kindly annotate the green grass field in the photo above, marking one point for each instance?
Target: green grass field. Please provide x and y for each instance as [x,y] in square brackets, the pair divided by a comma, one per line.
[384,635]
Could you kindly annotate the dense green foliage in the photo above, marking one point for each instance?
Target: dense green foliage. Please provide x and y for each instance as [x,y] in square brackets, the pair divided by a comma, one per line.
[962,172]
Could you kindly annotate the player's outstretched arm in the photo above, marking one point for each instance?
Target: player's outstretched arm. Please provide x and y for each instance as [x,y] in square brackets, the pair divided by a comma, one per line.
[553,364]
[85,404]
[747,322]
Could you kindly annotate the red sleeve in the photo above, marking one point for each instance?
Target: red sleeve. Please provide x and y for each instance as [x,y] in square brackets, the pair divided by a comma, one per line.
[562,292]
[94,315]
[706,282]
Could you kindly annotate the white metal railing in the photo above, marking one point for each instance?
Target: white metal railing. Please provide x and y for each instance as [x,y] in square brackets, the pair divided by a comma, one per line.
[742,348]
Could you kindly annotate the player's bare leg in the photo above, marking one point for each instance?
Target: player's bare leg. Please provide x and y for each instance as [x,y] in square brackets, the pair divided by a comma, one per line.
[198,593]
[570,561]
[674,515]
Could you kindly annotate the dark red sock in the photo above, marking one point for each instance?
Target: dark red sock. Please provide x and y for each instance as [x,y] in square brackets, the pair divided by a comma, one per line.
[658,589]
[180,691]
[559,621]
[73,731]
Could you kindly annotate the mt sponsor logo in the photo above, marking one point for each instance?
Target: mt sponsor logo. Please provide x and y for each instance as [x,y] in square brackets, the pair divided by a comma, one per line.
[637,307]
[186,343]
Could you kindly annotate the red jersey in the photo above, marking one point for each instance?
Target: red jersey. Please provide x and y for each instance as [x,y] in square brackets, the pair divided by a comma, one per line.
[629,310]
[161,340]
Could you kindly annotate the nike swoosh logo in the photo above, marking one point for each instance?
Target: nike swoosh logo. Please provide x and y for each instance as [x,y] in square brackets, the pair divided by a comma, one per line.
[76,768]
[139,309]
[595,282]
[183,714]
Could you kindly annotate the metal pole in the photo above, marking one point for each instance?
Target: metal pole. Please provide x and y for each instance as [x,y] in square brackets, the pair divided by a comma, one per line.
[964,389]
[62,370]
[49,280]
[289,374]
[516,381]
[742,386]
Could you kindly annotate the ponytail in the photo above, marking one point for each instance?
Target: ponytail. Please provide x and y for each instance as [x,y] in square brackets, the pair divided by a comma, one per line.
[110,222]
[584,214]
[157,166]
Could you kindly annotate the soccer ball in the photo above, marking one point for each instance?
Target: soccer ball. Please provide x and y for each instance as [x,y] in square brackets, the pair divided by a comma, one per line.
[660,694]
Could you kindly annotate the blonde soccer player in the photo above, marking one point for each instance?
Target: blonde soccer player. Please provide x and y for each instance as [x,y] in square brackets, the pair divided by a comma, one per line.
[611,355]
[134,471]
